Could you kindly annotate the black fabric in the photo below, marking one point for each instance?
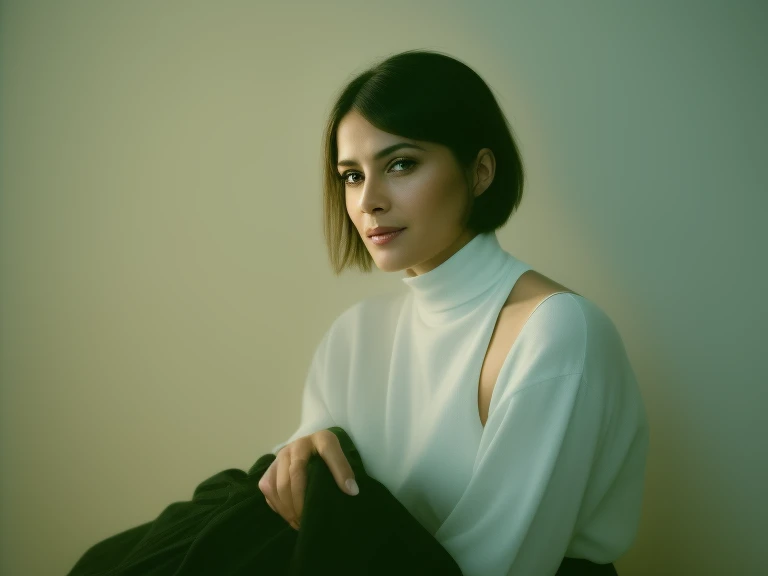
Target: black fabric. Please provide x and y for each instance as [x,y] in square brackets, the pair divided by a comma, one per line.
[228,529]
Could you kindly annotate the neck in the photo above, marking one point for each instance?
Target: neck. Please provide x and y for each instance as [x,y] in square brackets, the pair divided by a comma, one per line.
[465,238]
[455,286]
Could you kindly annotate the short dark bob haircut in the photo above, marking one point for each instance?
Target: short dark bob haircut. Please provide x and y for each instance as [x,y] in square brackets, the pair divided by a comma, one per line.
[429,96]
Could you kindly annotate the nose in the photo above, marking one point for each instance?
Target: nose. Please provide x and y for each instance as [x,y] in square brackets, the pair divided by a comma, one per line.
[372,197]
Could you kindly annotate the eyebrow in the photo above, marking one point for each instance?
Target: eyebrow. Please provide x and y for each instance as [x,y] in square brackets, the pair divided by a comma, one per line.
[383,152]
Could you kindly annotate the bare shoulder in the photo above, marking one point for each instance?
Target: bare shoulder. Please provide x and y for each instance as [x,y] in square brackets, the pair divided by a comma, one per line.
[531,289]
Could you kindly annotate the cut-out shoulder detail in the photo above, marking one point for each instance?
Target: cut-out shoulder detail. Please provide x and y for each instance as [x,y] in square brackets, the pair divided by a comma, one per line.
[528,293]
[532,284]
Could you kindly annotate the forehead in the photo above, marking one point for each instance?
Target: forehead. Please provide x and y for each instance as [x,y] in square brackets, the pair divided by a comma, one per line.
[357,138]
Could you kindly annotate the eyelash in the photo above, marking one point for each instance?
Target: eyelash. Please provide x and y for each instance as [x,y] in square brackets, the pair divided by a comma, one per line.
[343,177]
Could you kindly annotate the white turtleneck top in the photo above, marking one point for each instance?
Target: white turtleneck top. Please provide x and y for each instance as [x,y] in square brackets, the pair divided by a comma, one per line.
[558,468]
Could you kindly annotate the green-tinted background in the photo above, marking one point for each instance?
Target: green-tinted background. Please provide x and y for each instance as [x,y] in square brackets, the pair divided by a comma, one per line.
[163,278]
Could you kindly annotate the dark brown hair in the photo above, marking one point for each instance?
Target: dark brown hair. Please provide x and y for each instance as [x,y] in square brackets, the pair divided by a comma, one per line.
[428,96]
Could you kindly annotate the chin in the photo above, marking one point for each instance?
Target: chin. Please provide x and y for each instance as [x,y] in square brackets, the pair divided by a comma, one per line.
[389,267]
[389,264]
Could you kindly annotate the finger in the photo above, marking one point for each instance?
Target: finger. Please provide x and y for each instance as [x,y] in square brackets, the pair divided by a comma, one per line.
[298,473]
[284,501]
[329,448]
[268,485]
[270,505]
[267,482]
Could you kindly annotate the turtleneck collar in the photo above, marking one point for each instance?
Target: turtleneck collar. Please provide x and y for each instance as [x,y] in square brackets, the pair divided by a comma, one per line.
[470,272]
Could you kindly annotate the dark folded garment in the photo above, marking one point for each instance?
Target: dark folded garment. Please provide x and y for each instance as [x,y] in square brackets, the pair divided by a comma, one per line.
[228,529]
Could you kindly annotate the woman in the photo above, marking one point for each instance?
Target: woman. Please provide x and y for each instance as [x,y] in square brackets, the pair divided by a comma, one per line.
[497,405]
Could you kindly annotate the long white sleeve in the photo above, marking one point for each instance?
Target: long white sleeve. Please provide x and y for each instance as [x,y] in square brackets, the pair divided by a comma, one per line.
[520,509]
[560,473]
[315,411]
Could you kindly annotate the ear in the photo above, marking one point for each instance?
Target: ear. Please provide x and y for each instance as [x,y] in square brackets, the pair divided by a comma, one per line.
[484,170]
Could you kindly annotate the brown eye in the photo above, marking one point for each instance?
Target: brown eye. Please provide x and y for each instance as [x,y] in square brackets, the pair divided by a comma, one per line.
[347,174]
[402,161]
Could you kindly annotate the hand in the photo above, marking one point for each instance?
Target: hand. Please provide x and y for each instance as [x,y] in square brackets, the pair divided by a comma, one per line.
[285,481]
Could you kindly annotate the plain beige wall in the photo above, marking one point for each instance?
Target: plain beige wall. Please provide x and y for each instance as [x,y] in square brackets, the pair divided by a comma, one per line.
[163,278]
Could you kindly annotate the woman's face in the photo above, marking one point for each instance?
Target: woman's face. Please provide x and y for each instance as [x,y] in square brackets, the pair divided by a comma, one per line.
[419,187]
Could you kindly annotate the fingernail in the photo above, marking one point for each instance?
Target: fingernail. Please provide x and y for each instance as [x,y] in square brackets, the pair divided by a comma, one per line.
[352,487]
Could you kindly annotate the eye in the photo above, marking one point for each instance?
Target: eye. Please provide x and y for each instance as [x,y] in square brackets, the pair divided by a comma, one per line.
[405,161]
[401,161]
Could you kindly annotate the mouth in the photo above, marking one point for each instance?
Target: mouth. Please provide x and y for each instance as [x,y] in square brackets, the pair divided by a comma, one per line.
[386,236]
[389,231]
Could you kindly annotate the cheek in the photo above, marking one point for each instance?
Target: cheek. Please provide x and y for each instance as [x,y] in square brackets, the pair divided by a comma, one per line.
[354,215]
[434,200]
[434,192]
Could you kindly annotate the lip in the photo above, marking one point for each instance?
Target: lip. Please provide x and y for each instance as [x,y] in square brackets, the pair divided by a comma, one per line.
[380,239]
[382,230]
